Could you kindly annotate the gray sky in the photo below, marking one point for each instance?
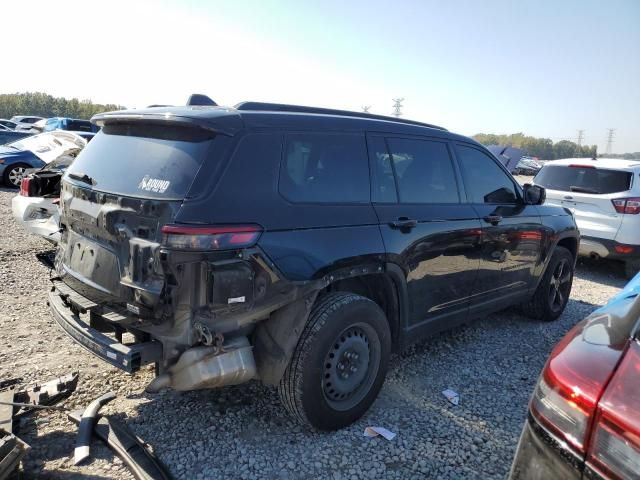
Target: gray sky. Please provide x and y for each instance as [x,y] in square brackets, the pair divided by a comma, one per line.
[545,68]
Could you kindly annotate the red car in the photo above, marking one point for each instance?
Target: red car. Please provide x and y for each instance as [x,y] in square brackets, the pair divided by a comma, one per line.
[584,415]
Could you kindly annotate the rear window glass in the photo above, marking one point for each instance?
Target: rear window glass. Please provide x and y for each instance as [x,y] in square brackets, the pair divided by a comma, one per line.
[156,161]
[325,168]
[79,125]
[583,179]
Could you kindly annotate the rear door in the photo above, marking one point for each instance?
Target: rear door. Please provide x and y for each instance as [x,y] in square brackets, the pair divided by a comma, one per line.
[427,230]
[588,192]
[512,232]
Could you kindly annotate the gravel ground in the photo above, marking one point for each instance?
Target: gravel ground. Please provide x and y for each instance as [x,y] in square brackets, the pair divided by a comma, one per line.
[242,432]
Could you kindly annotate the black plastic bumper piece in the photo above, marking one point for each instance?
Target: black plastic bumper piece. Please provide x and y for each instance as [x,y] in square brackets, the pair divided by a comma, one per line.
[540,456]
[126,357]
[138,457]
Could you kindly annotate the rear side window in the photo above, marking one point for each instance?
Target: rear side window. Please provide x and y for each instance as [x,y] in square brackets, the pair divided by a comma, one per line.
[583,179]
[423,170]
[325,168]
[484,180]
[138,160]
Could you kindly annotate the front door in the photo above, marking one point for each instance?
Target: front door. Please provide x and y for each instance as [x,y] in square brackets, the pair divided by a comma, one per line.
[512,233]
[427,230]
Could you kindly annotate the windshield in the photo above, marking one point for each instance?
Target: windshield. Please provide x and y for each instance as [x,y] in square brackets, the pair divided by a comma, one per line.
[585,179]
[142,160]
[48,146]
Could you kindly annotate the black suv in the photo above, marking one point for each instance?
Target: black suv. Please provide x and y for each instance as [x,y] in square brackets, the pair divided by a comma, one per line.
[294,245]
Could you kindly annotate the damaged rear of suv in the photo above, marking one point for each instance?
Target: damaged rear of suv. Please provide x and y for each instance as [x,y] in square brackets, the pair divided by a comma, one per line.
[230,244]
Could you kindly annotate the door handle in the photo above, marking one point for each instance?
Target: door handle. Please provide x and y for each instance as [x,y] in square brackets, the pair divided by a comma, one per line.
[404,222]
[568,197]
[493,219]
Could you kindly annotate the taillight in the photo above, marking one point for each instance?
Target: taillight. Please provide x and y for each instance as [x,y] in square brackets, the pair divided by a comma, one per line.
[623,249]
[614,449]
[24,187]
[627,205]
[567,394]
[210,237]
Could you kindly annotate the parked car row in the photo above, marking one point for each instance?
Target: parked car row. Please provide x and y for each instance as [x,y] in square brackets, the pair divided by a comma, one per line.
[31,124]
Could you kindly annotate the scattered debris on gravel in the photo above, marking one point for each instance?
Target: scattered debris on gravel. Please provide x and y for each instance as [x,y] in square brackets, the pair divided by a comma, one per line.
[243,432]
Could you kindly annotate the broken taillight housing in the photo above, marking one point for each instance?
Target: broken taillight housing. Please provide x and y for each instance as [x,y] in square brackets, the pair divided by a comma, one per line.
[568,391]
[24,187]
[614,449]
[629,206]
[223,237]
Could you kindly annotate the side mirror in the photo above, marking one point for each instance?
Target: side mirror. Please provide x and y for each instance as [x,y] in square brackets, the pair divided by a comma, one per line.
[534,194]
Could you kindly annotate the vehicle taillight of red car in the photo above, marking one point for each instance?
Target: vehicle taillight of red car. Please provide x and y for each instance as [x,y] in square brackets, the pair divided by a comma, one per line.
[584,416]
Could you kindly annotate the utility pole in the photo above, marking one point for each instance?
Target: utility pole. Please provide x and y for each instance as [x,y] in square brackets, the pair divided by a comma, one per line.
[397,107]
[365,108]
[610,139]
[580,137]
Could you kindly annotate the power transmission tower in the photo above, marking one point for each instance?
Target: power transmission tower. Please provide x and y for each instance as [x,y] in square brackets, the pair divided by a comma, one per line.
[397,107]
[610,139]
[365,108]
[580,137]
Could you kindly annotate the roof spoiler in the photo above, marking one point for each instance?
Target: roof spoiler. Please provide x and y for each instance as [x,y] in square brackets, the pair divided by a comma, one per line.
[198,99]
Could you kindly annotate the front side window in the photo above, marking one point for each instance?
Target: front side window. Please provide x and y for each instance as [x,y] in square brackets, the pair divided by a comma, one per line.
[484,180]
[423,170]
[325,168]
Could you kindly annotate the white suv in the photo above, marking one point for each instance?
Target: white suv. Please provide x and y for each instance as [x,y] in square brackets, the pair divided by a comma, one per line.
[604,196]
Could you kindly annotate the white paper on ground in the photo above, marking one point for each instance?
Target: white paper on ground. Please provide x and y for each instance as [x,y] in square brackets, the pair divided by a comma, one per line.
[452,396]
[375,431]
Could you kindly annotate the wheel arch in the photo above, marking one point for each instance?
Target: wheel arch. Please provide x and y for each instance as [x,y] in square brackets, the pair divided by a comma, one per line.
[276,338]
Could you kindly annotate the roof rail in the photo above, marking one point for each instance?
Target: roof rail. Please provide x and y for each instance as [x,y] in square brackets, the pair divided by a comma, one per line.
[279,107]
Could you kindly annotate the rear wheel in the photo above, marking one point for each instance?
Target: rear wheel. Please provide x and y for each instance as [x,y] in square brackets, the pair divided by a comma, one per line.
[552,294]
[339,364]
[13,175]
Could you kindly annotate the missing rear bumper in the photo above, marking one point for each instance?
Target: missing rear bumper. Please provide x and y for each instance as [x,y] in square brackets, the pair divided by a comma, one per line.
[126,357]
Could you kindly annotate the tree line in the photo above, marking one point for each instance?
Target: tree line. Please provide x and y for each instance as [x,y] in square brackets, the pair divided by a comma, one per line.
[543,148]
[625,156]
[44,105]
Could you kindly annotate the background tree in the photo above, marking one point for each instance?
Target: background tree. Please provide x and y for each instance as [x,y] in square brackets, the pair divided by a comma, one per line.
[44,105]
[543,148]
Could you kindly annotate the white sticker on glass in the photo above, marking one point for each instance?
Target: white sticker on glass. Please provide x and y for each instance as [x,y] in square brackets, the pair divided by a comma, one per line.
[153,184]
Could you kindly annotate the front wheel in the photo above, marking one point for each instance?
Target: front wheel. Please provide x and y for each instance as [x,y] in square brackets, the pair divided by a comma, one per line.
[552,294]
[339,364]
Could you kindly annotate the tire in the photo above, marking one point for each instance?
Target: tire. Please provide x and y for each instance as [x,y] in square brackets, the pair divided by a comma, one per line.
[13,173]
[631,268]
[339,364]
[552,294]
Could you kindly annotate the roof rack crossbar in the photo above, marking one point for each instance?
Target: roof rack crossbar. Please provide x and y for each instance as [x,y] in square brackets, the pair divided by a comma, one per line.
[280,107]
